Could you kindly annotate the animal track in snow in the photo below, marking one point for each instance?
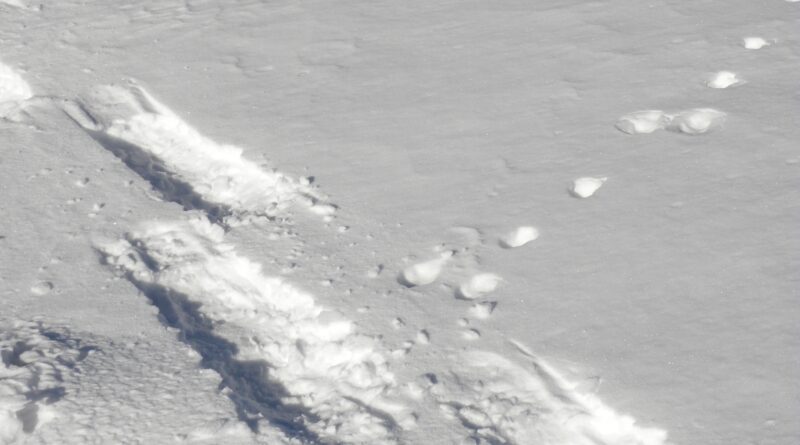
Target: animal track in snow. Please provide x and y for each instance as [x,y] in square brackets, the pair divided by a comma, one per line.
[724,79]
[185,166]
[692,122]
[482,310]
[754,42]
[642,122]
[273,345]
[696,121]
[519,237]
[478,286]
[586,186]
[427,272]
[501,402]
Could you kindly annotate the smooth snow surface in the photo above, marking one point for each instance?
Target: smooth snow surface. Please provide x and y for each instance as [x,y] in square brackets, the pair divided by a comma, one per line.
[296,223]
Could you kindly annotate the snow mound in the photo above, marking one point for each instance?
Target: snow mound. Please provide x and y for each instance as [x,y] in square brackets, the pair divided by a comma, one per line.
[184,165]
[502,402]
[268,339]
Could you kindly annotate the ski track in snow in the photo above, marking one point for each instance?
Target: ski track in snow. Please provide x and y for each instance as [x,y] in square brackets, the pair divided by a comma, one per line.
[271,343]
[504,403]
[185,166]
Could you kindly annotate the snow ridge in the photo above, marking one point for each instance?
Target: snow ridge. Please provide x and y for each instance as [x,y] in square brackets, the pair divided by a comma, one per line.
[184,165]
[332,382]
[503,403]
[34,362]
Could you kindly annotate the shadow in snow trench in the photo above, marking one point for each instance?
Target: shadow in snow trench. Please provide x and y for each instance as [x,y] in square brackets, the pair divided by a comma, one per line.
[251,390]
[149,167]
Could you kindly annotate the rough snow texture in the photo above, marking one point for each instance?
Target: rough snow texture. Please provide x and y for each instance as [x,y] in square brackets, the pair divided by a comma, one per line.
[32,369]
[504,403]
[184,165]
[318,378]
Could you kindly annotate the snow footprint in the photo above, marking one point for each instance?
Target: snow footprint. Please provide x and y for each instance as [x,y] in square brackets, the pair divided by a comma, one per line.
[755,42]
[519,237]
[724,79]
[642,122]
[478,286]
[424,273]
[694,121]
[586,186]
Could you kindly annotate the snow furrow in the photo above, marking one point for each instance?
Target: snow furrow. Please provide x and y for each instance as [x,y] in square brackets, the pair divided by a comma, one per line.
[281,356]
[504,403]
[185,166]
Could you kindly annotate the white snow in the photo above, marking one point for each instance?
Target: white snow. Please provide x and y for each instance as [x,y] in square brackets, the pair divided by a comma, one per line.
[754,42]
[169,152]
[642,122]
[13,90]
[519,237]
[479,285]
[697,121]
[586,186]
[506,403]
[325,367]
[724,79]
[426,272]
[172,271]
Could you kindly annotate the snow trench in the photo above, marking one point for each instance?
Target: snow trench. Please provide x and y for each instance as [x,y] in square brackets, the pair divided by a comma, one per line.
[185,166]
[281,356]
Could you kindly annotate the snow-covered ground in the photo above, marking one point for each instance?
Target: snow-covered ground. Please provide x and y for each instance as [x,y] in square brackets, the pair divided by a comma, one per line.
[441,222]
